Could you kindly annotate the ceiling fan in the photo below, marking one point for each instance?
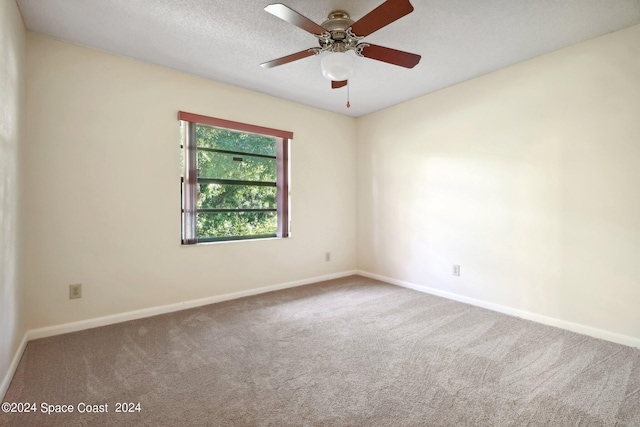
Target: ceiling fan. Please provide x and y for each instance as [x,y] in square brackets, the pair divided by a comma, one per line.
[340,34]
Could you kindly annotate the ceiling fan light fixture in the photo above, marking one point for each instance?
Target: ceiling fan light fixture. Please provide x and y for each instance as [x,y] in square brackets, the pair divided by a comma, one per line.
[337,66]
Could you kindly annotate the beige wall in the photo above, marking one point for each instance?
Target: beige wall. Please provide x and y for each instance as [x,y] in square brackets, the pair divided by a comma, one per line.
[527,177]
[103,186]
[12,94]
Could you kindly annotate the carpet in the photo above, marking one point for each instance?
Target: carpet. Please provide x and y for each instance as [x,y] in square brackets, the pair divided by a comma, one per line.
[346,352]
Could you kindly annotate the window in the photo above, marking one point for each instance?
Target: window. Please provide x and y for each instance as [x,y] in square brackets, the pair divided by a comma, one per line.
[235,180]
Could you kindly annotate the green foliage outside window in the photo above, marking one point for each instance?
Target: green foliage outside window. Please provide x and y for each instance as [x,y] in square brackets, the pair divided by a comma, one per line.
[236,167]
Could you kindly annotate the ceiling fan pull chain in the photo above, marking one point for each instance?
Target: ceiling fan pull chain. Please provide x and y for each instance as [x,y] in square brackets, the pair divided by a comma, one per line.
[348,104]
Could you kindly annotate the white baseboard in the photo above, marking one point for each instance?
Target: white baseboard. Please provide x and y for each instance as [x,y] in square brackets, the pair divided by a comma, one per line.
[12,368]
[551,321]
[169,308]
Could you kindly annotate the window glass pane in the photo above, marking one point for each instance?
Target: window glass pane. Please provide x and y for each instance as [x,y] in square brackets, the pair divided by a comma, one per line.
[217,196]
[223,139]
[235,166]
[214,225]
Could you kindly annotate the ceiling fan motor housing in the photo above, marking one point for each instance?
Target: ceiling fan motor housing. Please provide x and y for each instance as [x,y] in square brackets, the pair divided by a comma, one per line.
[337,21]
[339,37]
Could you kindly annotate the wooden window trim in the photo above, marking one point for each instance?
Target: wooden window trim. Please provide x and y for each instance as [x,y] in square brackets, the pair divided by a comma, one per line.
[190,187]
[238,126]
[282,165]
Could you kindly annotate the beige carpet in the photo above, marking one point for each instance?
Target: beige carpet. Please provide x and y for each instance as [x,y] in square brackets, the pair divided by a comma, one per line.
[348,352]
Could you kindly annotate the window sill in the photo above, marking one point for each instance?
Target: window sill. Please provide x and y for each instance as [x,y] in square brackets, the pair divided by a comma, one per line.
[261,239]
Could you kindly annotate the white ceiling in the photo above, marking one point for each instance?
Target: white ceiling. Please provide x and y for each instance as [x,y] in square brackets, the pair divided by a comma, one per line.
[227,40]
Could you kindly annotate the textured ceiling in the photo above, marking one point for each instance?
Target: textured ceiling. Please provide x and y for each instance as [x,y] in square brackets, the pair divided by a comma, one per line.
[227,40]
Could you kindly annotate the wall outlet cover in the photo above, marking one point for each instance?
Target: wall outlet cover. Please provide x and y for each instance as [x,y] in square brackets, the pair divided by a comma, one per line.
[456,270]
[75,291]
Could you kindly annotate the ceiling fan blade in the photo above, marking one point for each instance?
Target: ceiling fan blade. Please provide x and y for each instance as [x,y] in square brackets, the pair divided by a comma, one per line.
[338,84]
[381,16]
[391,56]
[288,58]
[291,16]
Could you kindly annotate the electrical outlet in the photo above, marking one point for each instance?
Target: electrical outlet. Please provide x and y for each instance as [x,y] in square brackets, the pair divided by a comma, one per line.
[75,291]
[327,256]
[456,270]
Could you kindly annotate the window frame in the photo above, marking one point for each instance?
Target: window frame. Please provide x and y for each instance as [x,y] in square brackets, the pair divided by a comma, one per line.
[190,181]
